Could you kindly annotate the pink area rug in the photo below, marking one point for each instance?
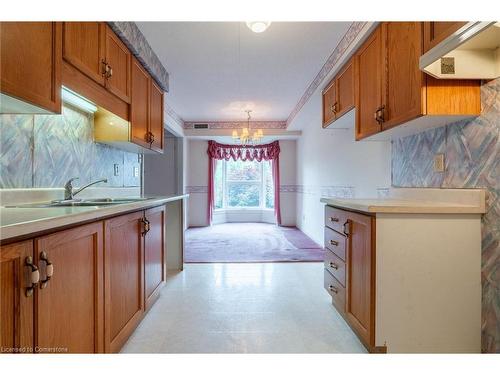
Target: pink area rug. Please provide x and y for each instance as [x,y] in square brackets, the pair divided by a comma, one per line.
[249,242]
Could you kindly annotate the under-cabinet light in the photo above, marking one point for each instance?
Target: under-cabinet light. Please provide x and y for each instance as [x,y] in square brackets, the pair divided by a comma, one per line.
[77,101]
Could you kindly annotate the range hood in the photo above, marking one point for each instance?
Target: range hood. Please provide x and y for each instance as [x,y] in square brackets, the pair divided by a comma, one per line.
[472,52]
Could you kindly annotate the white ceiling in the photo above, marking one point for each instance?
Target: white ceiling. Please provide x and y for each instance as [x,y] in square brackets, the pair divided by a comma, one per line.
[210,80]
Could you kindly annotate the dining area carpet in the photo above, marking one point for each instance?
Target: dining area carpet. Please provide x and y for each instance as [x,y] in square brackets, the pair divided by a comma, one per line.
[249,243]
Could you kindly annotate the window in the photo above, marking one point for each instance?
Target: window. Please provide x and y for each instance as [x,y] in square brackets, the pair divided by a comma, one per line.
[243,184]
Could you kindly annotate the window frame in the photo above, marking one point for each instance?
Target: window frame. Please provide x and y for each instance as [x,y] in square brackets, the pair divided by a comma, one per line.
[262,189]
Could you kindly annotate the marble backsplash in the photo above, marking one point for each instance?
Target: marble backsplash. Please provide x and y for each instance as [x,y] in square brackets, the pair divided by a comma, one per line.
[44,151]
[472,160]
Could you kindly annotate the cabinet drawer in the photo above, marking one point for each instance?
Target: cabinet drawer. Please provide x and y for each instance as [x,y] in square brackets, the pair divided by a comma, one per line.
[335,242]
[336,266]
[336,290]
[335,218]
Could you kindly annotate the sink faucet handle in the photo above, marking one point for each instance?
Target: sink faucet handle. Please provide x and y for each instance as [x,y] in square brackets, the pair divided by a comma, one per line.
[69,182]
[68,188]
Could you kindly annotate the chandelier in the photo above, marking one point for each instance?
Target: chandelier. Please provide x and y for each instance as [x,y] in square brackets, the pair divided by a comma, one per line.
[245,137]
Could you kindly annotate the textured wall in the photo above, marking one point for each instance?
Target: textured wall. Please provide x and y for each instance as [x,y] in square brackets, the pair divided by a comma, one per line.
[472,160]
[47,150]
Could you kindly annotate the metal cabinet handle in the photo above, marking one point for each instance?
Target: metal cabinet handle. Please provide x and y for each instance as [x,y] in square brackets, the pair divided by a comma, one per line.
[333,289]
[34,276]
[346,226]
[334,219]
[334,243]
[147,226]
[379,114]
[49,269]
[334,266]
[151,138]
[104,68]
[110,72]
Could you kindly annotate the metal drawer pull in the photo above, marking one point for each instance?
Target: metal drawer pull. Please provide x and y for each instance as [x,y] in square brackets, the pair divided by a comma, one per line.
[334,243]
[333,289]
[334,266]
[34,276]
[49,270]
[334,219]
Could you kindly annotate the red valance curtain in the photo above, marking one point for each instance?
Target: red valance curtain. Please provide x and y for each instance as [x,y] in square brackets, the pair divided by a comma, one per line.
[268,152]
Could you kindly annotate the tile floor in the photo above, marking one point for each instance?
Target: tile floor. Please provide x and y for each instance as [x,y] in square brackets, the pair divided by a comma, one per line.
[244,308]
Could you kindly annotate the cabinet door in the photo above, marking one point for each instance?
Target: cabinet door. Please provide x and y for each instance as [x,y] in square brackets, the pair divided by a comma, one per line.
[345,90]
[69,307]
[436,32]
[329,98]
[124,261]
[30,65]
[404,80]
[16,305]
[156,117]
[360,278]
[139,105]
[83,47]
[118,58]
[369,85]
[154,255]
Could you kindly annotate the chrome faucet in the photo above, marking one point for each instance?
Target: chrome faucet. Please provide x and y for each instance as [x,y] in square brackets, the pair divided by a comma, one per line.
[68,187]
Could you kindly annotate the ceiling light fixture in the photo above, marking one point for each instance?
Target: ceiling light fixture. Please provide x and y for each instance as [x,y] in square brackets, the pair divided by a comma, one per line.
[244,138]
[258,26]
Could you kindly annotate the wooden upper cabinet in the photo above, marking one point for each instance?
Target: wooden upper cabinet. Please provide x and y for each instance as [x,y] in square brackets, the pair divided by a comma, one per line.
[345,90]
[329,97]
[154,255]
[436,32]
[139,105]
[84,48]
[123,278]
[391,90]
[16,297]
[69,308]
[338,97]
[360,288]
[118,59]
[156,117]
[30,66]
[403,80]
[369,84]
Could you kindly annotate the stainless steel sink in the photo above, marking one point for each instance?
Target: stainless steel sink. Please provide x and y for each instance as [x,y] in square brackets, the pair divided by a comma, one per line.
[80,202]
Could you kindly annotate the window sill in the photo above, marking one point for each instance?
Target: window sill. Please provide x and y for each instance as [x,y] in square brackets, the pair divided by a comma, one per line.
[234,209]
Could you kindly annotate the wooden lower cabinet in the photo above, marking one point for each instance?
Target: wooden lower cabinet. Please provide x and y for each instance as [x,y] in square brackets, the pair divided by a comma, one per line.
[123,269]
[351,283]
[360,295]
[69,304]
[16,305]
[154,255]
[83,289]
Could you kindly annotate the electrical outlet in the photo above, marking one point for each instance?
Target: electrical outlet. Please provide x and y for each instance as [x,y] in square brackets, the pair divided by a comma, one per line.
[439,163]
[136,171]
[116,169]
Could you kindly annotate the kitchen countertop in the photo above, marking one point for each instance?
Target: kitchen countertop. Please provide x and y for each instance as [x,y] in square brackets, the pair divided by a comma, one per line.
[18,222]
[402,206]
[425,201]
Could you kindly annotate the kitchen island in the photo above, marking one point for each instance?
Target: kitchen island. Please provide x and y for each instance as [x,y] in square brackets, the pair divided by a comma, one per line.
[405,270]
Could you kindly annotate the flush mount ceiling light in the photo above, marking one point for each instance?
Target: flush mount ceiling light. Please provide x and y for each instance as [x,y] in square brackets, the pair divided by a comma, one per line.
[258,26]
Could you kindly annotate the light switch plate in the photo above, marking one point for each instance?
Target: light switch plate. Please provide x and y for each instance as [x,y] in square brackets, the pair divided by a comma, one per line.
[439,163]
